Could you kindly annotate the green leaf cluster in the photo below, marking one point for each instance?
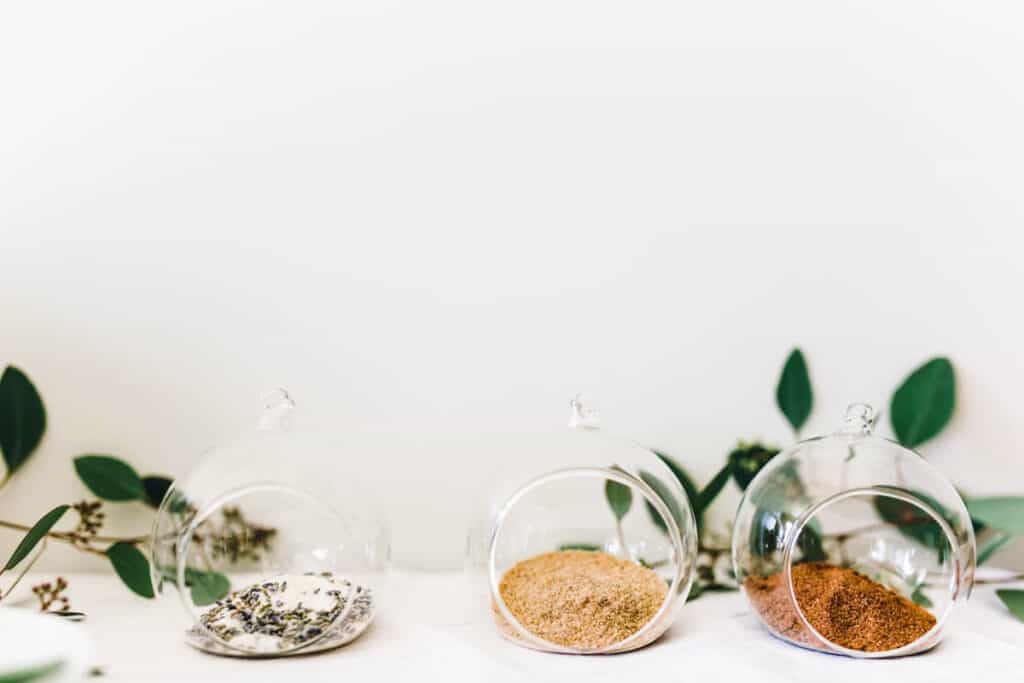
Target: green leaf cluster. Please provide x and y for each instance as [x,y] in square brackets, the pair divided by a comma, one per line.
[22,425]
[914,523]
[112,479]
[920,408]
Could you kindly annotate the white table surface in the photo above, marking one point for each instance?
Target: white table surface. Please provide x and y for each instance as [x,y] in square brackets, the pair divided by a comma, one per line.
[426,630]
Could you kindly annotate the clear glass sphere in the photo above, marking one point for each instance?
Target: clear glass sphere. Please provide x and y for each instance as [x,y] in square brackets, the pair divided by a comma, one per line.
[568,491]
[858,502]
[276,506]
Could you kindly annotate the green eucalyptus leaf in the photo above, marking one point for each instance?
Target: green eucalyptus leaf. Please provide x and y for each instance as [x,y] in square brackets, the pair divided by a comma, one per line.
[686,481]
[110,478]
[924,403]
[44,672]
[133,568]
[206,587]
[22,418]
[714,487]
[793,393]
[655,517]
[589,547]
[155,488]
[1001,512]
[920,598]
[665,493]
[1014,601]
[619,497]
[35,534]
[993,545]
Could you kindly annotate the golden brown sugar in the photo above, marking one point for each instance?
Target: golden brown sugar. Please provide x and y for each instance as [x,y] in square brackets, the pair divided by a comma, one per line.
[582,599]
[845,607]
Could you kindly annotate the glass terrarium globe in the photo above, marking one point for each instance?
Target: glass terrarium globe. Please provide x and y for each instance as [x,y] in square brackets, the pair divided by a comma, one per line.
[852,500]
[550,492]
[278,502]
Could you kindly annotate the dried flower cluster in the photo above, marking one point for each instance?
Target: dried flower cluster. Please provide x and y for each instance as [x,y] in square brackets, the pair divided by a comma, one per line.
[90,521]
[23,423]
[51,594]
[237,539]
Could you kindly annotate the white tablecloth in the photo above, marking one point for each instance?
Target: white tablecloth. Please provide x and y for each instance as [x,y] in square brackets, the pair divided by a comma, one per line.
[418,636]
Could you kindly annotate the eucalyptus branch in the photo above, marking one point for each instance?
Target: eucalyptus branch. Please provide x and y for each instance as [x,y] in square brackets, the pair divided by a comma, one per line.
[70,537]
[991,582]
[109,479]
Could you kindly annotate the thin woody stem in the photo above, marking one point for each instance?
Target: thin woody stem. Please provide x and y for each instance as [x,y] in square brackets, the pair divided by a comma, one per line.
[90,549]
[623,548]
[1009,579]
[68,537]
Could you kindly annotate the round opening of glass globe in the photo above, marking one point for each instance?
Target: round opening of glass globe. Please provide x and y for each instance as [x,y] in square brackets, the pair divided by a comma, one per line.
[591,560]
[868,572]
[853,544]
[270,543]
[263,572]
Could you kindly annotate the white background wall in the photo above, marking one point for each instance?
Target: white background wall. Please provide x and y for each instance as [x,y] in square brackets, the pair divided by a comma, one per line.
[450,216]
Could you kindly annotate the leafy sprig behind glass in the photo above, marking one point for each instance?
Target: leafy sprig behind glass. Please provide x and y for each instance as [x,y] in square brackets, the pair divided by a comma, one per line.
[111,480]
[920,408]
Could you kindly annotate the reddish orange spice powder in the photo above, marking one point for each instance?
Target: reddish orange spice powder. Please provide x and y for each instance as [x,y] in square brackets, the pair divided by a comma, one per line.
[845,607]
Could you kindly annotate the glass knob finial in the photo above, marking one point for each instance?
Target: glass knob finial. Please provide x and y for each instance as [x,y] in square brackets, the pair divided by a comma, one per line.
[582,417]
[859,419]
[277,410]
